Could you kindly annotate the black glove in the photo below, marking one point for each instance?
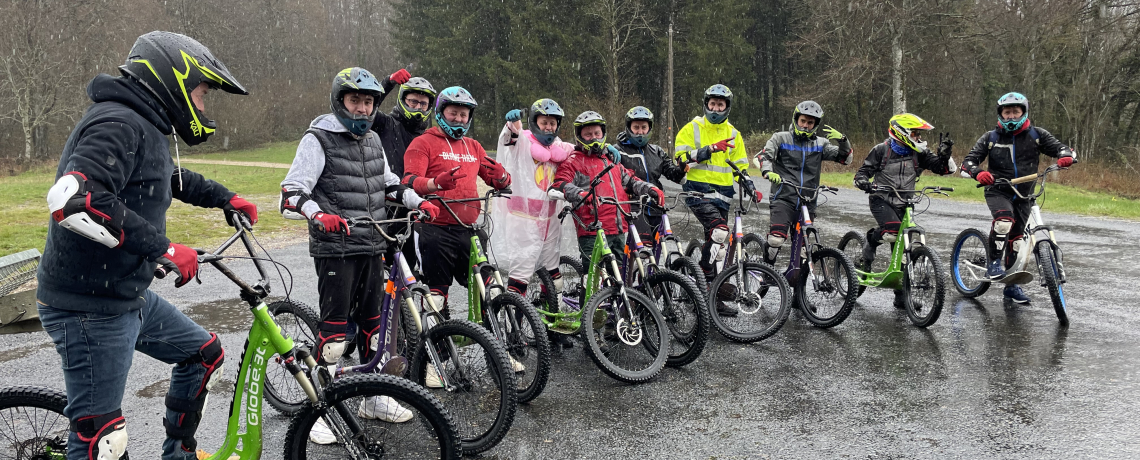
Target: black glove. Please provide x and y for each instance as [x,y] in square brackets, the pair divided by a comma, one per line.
[944,144]
[748,186]
[863,184]
[701,154]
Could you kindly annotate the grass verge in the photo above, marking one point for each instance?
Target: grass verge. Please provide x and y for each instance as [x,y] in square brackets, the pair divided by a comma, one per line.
[1057,198]
[23,208]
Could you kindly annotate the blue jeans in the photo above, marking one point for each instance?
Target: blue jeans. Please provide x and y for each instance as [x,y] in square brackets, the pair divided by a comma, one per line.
[96,351]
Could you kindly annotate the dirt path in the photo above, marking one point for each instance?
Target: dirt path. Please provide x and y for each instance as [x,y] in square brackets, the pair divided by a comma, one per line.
[236,163]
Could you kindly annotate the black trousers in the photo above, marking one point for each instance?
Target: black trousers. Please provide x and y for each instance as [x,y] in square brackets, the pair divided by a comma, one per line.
[711,217]
[1006,207]
[887,215]
[444,252]
[350,288]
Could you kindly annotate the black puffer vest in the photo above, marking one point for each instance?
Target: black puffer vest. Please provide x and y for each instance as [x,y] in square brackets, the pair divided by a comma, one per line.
[351,185]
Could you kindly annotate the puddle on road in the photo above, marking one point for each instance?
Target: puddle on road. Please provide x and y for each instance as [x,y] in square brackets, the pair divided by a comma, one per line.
[23,352]
[230,315]
[158,389]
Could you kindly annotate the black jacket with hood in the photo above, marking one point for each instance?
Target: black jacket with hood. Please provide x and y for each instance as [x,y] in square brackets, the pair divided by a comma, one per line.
[395,132]
[121,143]
[1013,155]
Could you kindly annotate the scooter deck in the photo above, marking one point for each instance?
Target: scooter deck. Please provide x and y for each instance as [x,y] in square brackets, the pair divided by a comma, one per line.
[1021,277]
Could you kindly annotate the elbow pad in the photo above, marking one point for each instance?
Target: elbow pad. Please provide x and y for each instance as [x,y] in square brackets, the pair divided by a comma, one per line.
[69,201]
[292,204]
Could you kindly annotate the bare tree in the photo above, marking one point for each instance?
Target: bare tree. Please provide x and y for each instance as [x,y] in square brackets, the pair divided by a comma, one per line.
[37,72]
[620,19]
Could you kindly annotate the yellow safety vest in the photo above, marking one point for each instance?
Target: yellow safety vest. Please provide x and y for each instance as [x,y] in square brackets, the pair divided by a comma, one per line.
[699,133]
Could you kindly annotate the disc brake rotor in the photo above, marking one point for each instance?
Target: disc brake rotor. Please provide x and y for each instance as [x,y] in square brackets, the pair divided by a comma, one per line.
[628,334]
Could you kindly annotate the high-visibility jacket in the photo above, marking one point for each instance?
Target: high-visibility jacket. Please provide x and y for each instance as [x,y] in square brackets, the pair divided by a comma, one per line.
[700,133]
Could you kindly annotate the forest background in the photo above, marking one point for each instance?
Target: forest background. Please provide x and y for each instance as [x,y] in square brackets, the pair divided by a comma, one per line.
[948,61]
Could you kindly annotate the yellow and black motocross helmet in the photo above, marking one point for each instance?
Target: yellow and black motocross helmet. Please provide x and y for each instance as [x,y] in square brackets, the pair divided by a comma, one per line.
[171,65]
[585,119]
[415,85]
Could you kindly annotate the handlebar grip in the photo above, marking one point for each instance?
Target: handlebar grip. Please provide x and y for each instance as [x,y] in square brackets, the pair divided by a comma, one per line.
[160,272]
[1024,179]
[562,214]
[947,189]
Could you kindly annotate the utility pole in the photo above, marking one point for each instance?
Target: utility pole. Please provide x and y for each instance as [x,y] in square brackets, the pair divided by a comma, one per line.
[668,103]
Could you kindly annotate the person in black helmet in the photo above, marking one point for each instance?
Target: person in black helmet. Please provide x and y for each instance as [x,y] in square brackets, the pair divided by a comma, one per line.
[409,118]
[648,161]
[796,157]
[340,171]
[113,186]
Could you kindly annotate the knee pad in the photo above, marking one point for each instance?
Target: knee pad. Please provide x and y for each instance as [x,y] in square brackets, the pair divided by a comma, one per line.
[780,230]
[370,328]
[890,231]
[439,296]
[774,242]
[330,342]
[210,356]
[718,235]
[1002,226]
[105,435]
[559,284]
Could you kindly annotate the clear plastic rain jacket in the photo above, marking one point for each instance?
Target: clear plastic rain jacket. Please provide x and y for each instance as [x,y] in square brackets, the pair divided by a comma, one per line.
[527,233]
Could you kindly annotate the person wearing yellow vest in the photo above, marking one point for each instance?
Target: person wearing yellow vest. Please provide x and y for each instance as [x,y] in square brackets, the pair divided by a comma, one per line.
[707,145]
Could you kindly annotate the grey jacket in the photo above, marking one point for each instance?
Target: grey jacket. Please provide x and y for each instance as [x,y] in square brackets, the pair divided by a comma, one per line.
[799,162]
[887,167]
[347,176]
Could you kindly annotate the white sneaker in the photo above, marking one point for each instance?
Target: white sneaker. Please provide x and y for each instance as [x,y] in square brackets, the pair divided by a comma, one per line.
[383,408]
[431,378]
[320,433]
[517,366]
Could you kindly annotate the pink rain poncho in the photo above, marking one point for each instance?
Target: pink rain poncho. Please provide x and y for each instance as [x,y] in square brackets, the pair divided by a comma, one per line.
[527,233]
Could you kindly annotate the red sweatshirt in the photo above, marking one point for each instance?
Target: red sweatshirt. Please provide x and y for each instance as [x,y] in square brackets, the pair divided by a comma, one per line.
[574,176]
[432,154]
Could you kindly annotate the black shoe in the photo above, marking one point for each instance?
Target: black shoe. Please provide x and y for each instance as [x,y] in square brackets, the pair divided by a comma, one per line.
[900,300]
[725,310]
[725,292]
[560,341]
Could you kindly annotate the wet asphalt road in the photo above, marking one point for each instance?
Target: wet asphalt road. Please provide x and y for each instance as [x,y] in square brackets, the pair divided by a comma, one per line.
[985,381]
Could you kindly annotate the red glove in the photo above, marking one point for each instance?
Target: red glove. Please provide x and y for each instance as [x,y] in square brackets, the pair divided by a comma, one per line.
[238,203]
[660,196]
[179,259]
[431,210]
[495,171]
[331,223]
[759,196]
[1065,162]
[447,180]
[985,178]
[400,77]
[724,145]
